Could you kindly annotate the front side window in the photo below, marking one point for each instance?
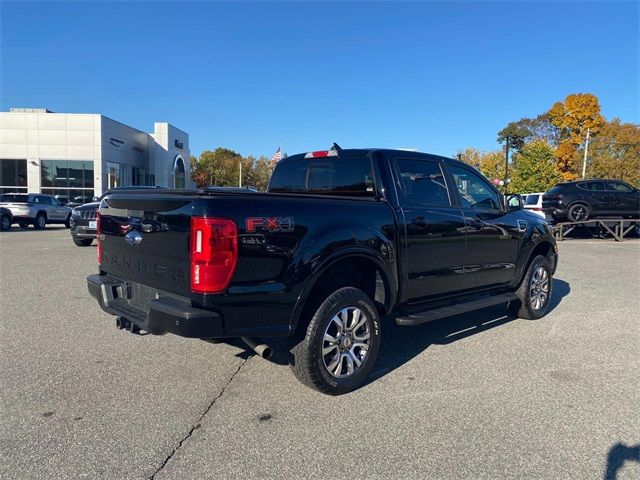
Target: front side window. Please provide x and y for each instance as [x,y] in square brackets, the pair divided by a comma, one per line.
[422,181]
[619,187]
[475,192]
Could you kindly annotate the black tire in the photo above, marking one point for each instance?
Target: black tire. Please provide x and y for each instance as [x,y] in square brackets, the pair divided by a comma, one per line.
[5,223]
[308,362]
[82,242]
[67,222]
[23,225]
[578,212]
[40,222]
[525,306]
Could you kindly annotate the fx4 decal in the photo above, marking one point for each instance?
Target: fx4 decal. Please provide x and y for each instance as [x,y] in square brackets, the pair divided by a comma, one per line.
[270,224]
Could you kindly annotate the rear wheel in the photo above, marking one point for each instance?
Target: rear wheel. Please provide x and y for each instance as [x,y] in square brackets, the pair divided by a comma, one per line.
[67,222]
[578,213]
[40,222]
[534,294]
[82,242]
[338,349]
[5,223]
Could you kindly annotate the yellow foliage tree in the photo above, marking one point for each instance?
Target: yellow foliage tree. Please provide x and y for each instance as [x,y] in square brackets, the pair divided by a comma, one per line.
[615,152]
[577,115]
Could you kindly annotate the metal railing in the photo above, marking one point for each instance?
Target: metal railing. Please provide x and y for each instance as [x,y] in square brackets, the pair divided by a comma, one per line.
[617,227]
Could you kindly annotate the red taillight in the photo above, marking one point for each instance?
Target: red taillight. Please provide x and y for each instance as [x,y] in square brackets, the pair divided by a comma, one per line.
[322,153]
[214,253]
[536,209]
[98,239]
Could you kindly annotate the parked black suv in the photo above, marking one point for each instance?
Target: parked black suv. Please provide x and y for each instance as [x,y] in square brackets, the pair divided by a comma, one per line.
[84,218]
[585,199]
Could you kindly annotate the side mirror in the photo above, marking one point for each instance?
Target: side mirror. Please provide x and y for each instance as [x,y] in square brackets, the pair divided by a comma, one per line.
[513,202]
[94,199]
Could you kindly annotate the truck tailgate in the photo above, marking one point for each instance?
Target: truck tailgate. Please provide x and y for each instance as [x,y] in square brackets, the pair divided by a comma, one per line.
[145,239]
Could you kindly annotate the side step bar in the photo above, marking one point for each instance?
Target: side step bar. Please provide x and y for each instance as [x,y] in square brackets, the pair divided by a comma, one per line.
[450,310]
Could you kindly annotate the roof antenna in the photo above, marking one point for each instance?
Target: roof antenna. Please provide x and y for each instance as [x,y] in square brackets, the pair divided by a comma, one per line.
[336,147]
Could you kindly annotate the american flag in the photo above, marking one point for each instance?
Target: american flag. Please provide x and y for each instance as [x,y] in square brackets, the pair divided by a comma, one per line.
[276,157]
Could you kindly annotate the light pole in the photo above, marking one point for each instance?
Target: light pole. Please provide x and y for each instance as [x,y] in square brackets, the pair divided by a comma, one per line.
[586,149]
[506,163]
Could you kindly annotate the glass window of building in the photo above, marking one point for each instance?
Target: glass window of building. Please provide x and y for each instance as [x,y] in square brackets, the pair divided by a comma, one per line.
[13,175]
[178,173]
[70,181]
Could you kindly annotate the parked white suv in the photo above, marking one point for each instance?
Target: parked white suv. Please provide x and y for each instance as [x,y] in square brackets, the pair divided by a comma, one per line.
[35,209]
[533,203]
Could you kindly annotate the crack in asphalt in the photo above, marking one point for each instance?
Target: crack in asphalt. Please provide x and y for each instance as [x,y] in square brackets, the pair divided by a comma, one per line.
[197,422]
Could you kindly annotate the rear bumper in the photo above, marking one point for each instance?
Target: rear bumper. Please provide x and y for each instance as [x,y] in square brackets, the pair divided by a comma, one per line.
[555,212]
[165,315]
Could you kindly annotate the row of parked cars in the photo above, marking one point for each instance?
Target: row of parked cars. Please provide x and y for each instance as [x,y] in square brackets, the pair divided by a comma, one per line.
[585,199]
[39,210]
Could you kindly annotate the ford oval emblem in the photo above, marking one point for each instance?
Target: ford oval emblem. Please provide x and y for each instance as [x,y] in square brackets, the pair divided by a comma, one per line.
[133,237]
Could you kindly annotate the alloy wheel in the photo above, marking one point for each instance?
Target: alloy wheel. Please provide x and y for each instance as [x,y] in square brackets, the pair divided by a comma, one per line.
[578,213]
[346,342]
[539,288]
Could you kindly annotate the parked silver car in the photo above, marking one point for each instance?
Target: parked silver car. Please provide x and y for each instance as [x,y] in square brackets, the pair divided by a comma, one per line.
[35,209]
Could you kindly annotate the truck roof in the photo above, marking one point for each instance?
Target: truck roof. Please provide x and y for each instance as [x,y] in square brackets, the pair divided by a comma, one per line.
[358,152]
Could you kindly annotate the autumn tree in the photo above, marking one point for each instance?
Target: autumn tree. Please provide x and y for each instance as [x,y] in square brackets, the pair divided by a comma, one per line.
[577,115]
[219,167]
[490,164]
[534,168]
[615,152]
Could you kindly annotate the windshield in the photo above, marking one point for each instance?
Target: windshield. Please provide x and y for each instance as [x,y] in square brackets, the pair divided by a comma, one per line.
[12,197]
[532,200]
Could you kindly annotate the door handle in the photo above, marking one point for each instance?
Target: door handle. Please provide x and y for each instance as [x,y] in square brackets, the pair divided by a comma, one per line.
[419,221]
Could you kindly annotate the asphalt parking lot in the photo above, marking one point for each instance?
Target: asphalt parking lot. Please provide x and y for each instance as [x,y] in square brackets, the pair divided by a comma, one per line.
[475,396]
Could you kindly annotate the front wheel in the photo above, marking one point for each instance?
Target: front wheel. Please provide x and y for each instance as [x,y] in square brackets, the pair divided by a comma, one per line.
[40,222]
[338,349]
[534,294]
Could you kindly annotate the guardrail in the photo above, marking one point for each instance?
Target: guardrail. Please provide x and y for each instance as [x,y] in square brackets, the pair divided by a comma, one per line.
[617,227]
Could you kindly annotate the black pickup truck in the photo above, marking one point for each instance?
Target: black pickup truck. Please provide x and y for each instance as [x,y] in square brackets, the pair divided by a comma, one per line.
[341,239]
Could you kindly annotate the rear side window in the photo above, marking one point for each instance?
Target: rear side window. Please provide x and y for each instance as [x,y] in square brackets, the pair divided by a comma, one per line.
[591,186]
[422,181]
[532,200]
[349,176]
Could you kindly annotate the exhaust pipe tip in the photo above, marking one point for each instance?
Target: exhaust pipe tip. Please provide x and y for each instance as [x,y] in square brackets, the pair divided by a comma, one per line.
[260,348]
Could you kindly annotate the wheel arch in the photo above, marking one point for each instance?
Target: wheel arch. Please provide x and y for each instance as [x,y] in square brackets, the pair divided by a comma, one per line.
[544,248]
[356,268]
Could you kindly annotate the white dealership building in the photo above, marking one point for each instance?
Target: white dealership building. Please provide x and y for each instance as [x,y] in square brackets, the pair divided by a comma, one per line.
[77,155]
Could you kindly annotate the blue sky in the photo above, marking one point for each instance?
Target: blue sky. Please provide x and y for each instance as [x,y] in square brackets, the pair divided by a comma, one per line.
[434,76]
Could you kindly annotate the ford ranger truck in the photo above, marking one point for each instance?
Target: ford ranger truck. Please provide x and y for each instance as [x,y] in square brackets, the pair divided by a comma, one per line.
[341,238]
